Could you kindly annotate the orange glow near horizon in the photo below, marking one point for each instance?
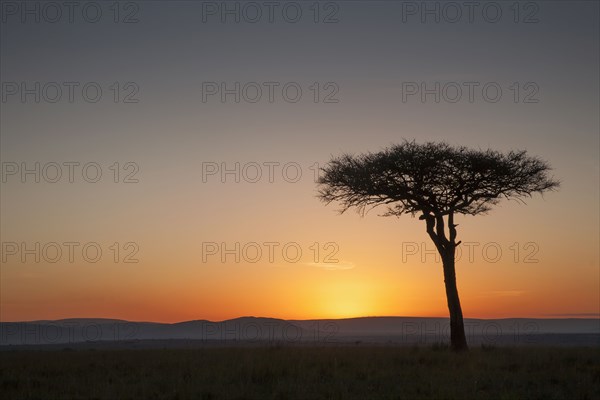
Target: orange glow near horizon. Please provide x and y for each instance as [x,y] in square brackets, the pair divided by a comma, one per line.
[368,279]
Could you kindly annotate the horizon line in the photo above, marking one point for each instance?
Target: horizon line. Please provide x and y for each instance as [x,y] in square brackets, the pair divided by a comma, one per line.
[545,316]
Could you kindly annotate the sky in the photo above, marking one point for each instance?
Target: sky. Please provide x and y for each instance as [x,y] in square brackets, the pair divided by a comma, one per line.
[139,182]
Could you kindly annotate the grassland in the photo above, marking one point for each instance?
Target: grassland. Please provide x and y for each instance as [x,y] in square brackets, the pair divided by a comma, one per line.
[344,372]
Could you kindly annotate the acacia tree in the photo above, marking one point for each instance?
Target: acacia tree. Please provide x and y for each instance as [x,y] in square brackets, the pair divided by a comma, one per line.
[436,181]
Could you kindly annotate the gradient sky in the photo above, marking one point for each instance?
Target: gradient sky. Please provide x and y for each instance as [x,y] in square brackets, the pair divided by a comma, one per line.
[369,53]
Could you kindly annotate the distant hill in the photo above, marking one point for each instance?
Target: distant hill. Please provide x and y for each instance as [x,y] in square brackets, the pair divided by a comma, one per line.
[247,330]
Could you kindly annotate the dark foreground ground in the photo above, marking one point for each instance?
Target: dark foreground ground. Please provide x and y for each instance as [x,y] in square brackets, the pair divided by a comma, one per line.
[287,372]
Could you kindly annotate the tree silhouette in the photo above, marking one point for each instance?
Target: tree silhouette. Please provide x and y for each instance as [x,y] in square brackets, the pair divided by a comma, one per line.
[436,181]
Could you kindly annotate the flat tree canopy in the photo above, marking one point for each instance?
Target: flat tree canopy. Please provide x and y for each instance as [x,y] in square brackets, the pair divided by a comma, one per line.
[433,178]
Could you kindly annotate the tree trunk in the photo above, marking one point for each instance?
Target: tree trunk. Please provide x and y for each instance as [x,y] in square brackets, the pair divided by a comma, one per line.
[458,340]
[447,247]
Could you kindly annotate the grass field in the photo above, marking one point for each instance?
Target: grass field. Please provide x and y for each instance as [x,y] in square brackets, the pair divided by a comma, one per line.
[358,372]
